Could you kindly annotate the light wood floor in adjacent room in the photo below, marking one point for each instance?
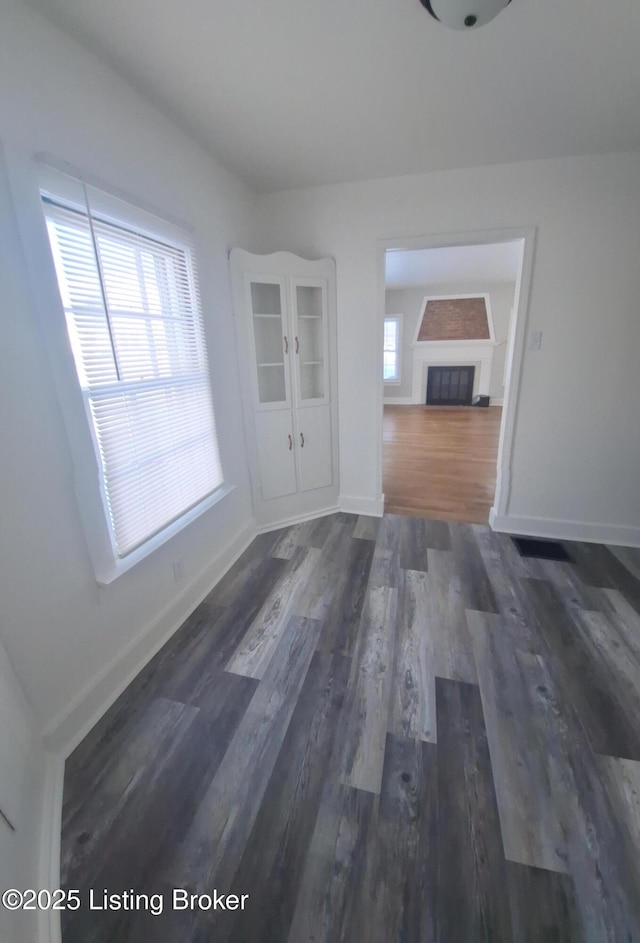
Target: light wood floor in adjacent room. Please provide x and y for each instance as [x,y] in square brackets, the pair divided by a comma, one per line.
[395,731]
[440,461]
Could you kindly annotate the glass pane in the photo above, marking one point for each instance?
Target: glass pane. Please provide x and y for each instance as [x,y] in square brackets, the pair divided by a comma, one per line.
[311,338]
[390,334]
[309,299]
[265,298]
[389,362]
[269,341]
[312,381]
[311,341]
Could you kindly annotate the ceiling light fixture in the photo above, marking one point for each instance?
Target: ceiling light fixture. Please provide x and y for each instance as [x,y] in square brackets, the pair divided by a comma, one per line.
[464,14]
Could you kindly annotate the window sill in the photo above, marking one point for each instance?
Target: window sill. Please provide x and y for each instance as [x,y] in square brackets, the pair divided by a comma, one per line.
[106,575]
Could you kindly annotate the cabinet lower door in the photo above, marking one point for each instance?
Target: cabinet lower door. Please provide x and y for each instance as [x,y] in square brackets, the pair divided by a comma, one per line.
[313,446]
[274,432]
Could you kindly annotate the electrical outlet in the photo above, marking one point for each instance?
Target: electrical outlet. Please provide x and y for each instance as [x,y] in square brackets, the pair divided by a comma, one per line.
[178,569]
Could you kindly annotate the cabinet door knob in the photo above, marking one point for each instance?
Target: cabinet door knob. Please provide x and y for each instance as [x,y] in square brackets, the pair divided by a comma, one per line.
[297,346]
[286,344]
[290,443]
[302,440]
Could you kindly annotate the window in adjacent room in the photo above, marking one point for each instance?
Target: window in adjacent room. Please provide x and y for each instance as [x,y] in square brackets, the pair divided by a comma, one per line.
[391,354]
[129,289]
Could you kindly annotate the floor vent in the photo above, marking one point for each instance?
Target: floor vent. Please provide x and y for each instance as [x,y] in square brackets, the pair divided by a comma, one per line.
[542,549]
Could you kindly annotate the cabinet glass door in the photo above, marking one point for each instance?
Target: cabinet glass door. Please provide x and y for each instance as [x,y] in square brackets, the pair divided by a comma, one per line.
[270,340]
[310,340]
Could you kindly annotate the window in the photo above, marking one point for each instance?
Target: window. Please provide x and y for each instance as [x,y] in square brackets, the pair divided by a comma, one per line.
[131,300]
[391,355]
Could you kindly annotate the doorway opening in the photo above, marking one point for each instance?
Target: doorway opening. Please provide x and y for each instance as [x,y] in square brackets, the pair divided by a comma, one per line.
[453,340]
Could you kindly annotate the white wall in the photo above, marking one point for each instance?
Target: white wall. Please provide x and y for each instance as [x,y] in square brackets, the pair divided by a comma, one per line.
[409,301]
[23,768]
[60,629]
[577,445]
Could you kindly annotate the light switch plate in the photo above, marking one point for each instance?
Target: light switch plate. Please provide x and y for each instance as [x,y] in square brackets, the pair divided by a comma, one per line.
[178,569]
[535,340]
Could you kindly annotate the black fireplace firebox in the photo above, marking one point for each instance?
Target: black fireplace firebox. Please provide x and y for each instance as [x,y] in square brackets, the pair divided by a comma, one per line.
[450,386]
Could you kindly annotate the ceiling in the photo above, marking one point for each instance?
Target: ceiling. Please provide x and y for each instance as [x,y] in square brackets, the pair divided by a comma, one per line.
[464,265]
[294,93]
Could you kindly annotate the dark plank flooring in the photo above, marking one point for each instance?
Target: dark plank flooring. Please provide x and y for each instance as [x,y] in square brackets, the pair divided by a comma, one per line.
[398,731]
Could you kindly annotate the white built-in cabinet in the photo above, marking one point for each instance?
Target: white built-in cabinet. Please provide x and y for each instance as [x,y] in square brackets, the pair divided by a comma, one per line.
[285,317]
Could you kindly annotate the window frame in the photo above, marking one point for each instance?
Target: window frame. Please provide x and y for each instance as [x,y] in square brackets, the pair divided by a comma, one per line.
[87,475]
[397,381]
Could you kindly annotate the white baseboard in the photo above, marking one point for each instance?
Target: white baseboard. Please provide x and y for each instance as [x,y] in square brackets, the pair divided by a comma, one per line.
[617,534]
[410,401]
[298,519]
[372,507]
[49,864]
[66,730]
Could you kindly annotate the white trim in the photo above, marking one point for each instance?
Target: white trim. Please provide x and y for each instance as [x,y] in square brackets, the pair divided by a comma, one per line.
[68,728]
[521,303]
[410,401]
[61,179]
[278,512]
[49,929]
[116,566]
[296,519]
[46,163]
[480,343]
[464,340]
[557,529]
[373,507]
[511,396]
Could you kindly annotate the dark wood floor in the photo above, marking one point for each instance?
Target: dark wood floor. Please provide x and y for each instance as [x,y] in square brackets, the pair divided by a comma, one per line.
[440,461]
[397,732]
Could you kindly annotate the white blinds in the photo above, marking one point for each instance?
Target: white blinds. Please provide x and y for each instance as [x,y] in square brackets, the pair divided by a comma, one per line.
[133,315]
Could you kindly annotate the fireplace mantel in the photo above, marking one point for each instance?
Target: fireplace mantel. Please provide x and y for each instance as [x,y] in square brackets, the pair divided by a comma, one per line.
[455,353]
